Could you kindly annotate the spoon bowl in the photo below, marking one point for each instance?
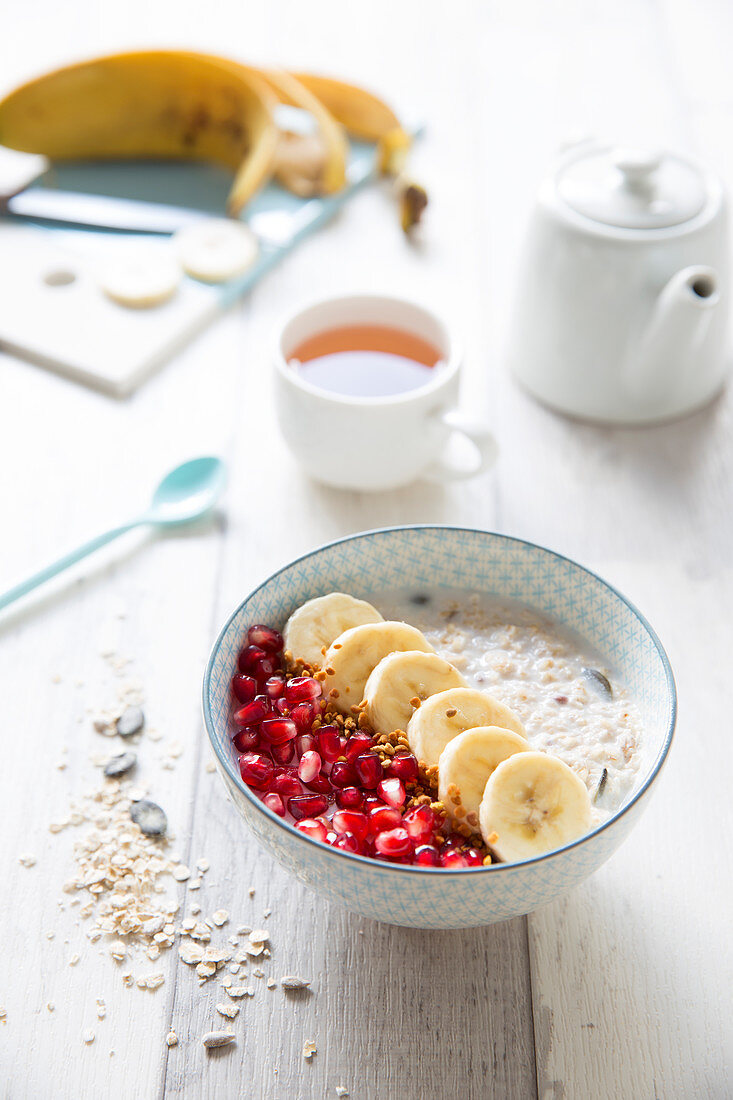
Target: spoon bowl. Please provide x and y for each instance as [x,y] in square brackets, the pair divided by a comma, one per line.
[188,492]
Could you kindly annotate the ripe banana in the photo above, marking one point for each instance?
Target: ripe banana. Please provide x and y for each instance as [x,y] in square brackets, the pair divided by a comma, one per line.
[449,713]
[466,764]
[401,678]
[156,104]
[363,115]
[533,803]
[318,622]
[350,660]
[141,282]
[295,166]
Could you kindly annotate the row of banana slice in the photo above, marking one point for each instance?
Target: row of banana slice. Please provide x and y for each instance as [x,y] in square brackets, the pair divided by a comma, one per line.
[524,803]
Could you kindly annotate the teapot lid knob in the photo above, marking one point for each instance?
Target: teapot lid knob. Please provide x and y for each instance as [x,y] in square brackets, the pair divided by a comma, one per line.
[637,165]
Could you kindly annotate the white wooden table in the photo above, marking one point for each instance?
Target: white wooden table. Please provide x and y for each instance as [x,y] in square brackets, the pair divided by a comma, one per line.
[623,988]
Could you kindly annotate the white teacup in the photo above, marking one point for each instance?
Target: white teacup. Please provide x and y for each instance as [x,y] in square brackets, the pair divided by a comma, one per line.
[373,443]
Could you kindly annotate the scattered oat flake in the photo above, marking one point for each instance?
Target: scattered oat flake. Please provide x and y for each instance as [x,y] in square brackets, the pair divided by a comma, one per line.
[229,1010]
[50,1006]
[88,1035]
[196,884]
[217,1039]
[240,991]
[3,1015]
[254,949]
[309,1049]
[259,935]
[118,950]
[291,981]
[220,917]
[210,766]
[203,864]
[171,1038]
[74,960]
[341,1090]
[251,891]
[271,983]
[27,860]
[181,872]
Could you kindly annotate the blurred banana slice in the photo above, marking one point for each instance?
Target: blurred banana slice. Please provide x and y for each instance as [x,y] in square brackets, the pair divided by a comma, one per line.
[353,656]
[445,715]
[466,764]
[142,281]
[399,679]
[216,249]
[318,622]
[532,804]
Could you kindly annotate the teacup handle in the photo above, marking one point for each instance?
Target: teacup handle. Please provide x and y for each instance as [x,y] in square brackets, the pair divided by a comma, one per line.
[478,434]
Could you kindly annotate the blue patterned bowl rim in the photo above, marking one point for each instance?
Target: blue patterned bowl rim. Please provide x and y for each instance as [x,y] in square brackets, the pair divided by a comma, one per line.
[402,869]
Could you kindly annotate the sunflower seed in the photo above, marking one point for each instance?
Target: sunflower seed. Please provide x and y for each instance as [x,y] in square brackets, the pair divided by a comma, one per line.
[599,681]
[118,765]
[601,785]
[149,816]
[130,721]
[217,1039]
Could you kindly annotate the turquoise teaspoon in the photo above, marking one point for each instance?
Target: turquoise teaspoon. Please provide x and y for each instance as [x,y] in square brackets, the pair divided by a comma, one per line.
[184,495]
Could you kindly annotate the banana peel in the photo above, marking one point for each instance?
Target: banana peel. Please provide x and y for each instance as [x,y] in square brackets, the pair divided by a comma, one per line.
[150,104]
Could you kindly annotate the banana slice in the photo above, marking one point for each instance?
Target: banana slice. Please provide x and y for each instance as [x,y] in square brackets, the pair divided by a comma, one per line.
[532,804]
[216,249]
[353,656]
[141,282]
[400,678]
[451,712]
[466,764]
[319,622]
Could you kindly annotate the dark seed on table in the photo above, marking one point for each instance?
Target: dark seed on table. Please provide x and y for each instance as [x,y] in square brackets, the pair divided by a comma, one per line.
[118,765]
[601,784]
[420,599]
[599,681]
[149,817]
[130,721]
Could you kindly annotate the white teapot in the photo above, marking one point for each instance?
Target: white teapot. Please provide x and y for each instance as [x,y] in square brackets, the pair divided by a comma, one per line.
[621,313]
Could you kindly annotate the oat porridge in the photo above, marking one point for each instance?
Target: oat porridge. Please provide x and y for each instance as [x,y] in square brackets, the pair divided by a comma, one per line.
[443,729]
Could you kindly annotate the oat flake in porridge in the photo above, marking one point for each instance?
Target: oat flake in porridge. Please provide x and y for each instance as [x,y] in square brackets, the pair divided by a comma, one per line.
[543,672]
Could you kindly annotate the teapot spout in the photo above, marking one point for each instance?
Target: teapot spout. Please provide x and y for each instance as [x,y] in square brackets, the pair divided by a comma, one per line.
[676,328]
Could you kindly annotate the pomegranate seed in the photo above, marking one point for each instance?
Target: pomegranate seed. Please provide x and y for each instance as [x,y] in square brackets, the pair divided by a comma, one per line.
[322,784]
[303,715]
[393,842]
[278,730]
[454,840]
[419,823]
[301,688]
[384,817]
[356,745]
[368,767]
[253,713]
[427,856]
[305,742]
[309,766]
[329,743]
[283,753]
[350,798]
[349,821]
[281,706]
[266,638]
[391,790]
[313,828]
[246,739]
[453,858]
[256,770]
[274,686]
[371,802]
[250,658]
[275,803]
[244,688]
[404,767]
[307,805]
[265,670]
[347,842]
[286,783]
[342,774]
[473,857]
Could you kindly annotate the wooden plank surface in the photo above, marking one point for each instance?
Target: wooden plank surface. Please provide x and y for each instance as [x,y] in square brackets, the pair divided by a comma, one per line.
[623,988]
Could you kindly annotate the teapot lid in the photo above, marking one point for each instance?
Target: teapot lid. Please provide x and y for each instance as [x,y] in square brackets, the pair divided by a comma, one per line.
[632,188]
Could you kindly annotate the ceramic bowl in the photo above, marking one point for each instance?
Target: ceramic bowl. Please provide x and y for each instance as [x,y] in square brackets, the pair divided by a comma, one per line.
[426,556]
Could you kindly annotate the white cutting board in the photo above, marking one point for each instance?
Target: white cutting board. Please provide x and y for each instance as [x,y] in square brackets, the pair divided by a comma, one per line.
[53,311]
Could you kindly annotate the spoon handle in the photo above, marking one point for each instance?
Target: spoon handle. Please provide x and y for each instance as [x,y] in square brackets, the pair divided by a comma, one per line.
[63,563]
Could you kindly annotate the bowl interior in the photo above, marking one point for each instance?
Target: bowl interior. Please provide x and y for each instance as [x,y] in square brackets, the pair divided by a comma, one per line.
[374,561]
